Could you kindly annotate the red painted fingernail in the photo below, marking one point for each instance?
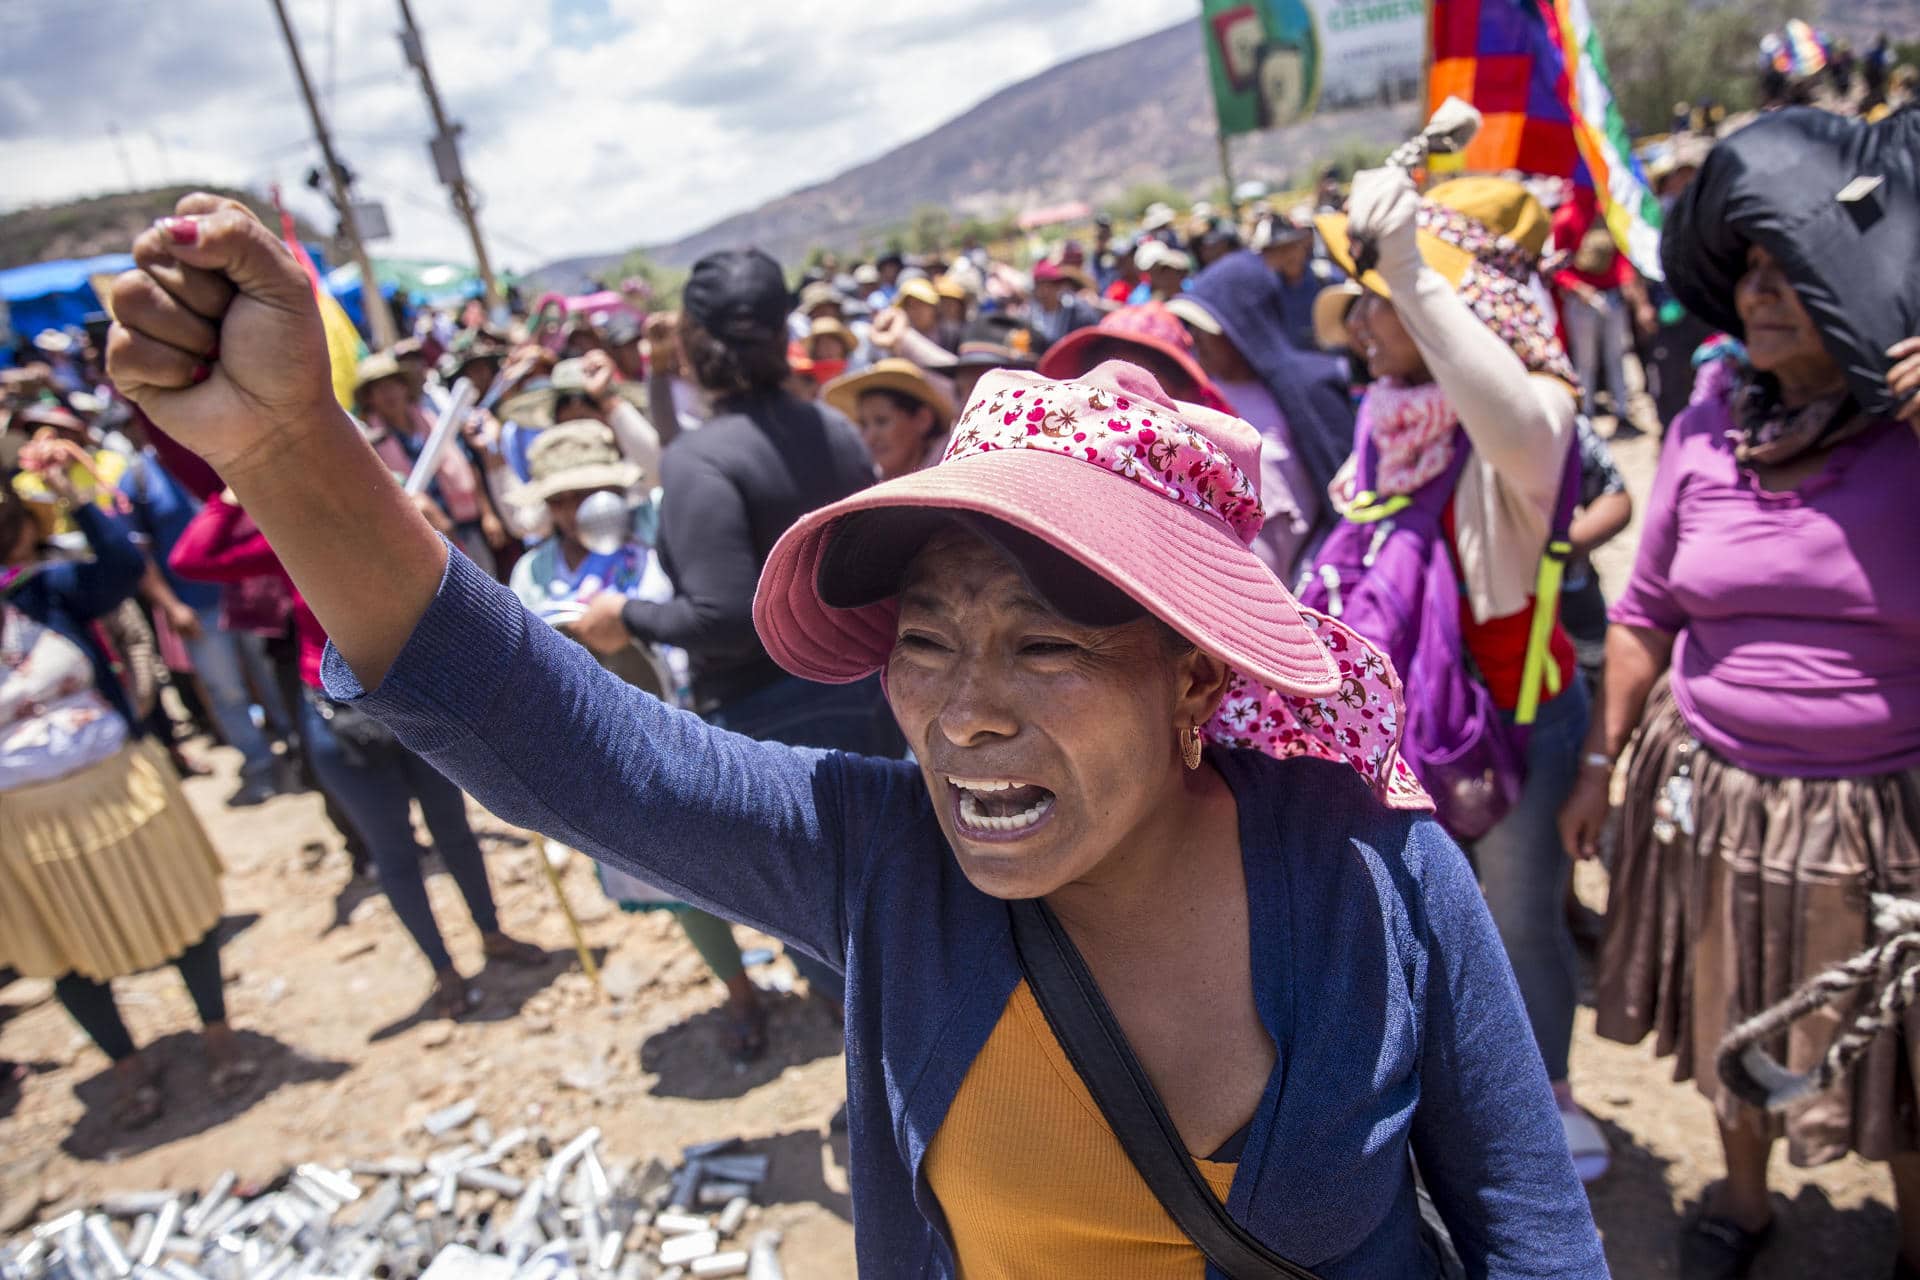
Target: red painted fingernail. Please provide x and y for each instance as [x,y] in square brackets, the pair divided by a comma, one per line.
[182,230]
[201,372]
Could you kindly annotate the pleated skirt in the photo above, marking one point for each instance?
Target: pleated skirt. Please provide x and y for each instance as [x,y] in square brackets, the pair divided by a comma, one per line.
[1771,888]
[105,871]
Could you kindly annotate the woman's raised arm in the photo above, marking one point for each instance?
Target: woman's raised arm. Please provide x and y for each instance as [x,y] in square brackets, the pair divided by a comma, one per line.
[216,336]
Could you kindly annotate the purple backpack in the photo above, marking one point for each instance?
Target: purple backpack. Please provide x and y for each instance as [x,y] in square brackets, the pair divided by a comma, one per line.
[1387,571]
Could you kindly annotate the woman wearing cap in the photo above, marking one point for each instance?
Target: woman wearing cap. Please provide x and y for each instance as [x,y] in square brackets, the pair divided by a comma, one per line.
[902,413]
[1766,653]
[399,426]
[555,579]
[1116,708]
[1462,356]
[104,869]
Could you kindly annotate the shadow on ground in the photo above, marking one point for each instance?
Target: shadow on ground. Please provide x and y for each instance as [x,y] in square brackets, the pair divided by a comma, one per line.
[796,1170]
[191,1106]
[496,993]
[690,1056]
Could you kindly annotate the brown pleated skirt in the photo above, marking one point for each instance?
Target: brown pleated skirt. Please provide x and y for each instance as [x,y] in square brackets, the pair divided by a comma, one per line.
[1772,887]
[104,872]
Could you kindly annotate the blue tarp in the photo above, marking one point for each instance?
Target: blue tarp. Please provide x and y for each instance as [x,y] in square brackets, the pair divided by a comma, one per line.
[52,295]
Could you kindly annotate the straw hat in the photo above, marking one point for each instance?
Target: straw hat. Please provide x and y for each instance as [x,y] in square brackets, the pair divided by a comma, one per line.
[536,404]
[891,374]
[827,327]
[1105,481]
[920,289]
[1330,310]
[575,456]
[1484,236]
[1450,243]
[377,367]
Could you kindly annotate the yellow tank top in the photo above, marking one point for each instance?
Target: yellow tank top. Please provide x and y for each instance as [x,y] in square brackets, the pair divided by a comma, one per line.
[1033,1180]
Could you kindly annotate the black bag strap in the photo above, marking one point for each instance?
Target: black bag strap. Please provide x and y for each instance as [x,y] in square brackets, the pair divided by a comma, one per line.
[1098,1050]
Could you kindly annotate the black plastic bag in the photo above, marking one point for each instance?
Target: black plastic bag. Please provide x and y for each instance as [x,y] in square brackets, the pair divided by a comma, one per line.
[1837,204]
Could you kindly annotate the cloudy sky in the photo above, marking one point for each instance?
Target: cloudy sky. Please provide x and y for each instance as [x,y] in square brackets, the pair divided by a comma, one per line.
[590,124]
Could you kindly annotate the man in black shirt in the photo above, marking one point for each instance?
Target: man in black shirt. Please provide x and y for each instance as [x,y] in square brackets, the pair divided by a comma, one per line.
[728,491]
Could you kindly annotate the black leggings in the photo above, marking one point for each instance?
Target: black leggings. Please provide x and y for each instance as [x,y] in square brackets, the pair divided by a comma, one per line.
[91,1003]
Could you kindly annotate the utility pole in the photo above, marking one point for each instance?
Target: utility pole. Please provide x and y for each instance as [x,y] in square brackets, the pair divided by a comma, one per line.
[446,153]
[379,319]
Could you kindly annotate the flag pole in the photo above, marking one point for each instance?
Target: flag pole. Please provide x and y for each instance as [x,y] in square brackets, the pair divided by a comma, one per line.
[1226,167]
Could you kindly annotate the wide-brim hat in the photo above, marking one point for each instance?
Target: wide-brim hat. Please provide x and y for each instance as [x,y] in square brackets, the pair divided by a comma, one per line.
[1157,499]
[919,289]
[830,328]
[377,367]
[891,374]
[575,456]
[536,404]
[1154,325]
[1330,309]
[1456,216]
[1484,236]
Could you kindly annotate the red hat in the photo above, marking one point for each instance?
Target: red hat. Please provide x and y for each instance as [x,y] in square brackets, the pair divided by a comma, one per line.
[1150,325]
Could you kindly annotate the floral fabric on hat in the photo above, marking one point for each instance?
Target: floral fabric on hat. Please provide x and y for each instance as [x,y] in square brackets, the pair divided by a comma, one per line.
[1133,438]
[1140,440]
[1499,288]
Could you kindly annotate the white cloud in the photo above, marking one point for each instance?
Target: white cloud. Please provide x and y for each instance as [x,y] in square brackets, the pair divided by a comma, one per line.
[590,124]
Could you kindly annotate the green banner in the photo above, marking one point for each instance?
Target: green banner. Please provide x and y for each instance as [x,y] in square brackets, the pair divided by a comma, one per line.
[1277,61]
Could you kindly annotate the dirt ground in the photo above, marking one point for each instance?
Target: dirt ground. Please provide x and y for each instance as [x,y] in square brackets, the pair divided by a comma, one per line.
[329,991]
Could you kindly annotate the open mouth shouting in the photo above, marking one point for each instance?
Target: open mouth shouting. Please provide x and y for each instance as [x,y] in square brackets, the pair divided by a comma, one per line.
[998,809]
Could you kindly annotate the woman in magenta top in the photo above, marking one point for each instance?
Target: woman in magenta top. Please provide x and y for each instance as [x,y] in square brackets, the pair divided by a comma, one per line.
[1767,654]
[362,766]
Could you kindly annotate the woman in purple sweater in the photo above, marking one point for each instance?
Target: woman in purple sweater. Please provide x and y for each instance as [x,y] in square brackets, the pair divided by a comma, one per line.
[1767,653]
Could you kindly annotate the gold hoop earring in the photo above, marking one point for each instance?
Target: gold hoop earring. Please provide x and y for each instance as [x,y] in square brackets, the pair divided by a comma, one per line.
[1190,746]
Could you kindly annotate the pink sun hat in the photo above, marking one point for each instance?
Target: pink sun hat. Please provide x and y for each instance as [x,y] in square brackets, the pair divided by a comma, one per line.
[1158,499]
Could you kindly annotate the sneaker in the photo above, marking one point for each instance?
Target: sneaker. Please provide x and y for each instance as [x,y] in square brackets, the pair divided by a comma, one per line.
[1585,1143]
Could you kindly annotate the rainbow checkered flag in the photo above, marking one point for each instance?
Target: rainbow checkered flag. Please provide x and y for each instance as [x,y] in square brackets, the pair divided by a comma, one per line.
[1535,70]
[345,350]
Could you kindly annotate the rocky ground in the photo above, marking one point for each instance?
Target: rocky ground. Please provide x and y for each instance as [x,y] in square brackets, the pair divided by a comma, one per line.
[330,993]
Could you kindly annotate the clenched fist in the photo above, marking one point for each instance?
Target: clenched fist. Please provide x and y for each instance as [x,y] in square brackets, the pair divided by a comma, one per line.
[217,337]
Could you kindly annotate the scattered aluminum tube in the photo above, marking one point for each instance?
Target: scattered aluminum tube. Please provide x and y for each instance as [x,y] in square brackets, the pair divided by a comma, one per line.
[336,1184]
[132,1204]
[178,1270]
[608,1255]
[443,1202]
[732,1216]
[57,1226]
[736,1168]
[107,1245]
[721,1264]
[73,1244]
[391,1167]
[196,1217]
[140,1236]
[483,1179]
[163,1224]
[701,1150]
[447,1119]
[634,1267]
[599,1189]
[565,1156]
[679,1224]
[698,1244]
[763,1259]
[714,1194]
[686,1185]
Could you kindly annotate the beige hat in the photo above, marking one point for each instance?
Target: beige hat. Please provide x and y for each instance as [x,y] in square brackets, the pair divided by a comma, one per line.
[535,406]
[891,374]
[377,367]
[575,456]
[1330,308]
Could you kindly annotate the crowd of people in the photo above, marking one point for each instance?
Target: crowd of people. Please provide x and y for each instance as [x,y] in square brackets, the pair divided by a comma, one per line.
[1169,580]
